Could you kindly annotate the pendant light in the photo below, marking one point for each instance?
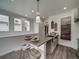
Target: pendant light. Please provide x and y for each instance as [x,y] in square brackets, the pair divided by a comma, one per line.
[38,20]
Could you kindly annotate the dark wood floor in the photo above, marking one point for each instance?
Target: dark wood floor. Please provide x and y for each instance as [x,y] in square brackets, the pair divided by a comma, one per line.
[63,52]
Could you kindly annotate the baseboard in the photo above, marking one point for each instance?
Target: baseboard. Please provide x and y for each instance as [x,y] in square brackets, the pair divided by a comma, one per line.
[67,46]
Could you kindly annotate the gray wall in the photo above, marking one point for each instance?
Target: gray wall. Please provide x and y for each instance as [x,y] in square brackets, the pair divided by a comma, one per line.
[11,22]
[9,43]
[14,15]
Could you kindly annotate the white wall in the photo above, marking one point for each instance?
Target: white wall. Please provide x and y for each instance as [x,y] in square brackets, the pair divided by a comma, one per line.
[74,28]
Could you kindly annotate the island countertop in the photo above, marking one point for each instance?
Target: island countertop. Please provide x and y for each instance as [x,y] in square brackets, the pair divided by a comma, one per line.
[41,41]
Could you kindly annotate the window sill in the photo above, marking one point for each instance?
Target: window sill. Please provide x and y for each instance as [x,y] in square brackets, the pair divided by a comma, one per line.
[4,35]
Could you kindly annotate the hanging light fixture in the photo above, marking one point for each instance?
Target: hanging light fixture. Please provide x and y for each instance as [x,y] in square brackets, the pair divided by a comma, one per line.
[38,14]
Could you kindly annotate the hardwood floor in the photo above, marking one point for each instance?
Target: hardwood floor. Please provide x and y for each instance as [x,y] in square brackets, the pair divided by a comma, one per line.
[63,52]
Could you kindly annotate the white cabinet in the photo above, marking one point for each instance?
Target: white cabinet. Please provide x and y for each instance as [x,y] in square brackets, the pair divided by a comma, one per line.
[51,45]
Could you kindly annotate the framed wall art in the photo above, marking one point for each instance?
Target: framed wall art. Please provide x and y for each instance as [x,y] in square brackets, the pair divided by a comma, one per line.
[66,28]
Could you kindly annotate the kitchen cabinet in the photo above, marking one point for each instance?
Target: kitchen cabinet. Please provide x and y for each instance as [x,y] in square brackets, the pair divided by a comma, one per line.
[50,47]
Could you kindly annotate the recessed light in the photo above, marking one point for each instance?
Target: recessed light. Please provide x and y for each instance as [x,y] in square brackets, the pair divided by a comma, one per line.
[65,8]
[12,0]
[32,11]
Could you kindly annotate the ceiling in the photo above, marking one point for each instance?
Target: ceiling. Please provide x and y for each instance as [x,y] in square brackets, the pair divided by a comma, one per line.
[47,7]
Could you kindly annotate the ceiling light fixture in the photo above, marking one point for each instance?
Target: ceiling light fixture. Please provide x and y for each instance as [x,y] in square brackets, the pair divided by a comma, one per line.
[65,8]
[65,4]
[32,11]
[37,13]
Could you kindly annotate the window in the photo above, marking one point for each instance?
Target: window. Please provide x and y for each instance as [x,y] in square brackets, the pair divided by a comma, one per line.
[27,25]
[4,23]
[17,24]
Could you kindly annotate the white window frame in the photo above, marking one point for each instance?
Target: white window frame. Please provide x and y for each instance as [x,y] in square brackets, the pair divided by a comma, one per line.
[27,23]
[4,21]
[18,24]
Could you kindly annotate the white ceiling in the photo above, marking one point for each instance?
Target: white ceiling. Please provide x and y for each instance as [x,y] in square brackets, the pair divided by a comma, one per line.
[47,7]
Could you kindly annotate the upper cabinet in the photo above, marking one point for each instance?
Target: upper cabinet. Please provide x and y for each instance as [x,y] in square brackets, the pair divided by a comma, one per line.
[4,23]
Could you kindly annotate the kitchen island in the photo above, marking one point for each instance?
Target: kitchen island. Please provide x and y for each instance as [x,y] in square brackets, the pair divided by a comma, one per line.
[41,41]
